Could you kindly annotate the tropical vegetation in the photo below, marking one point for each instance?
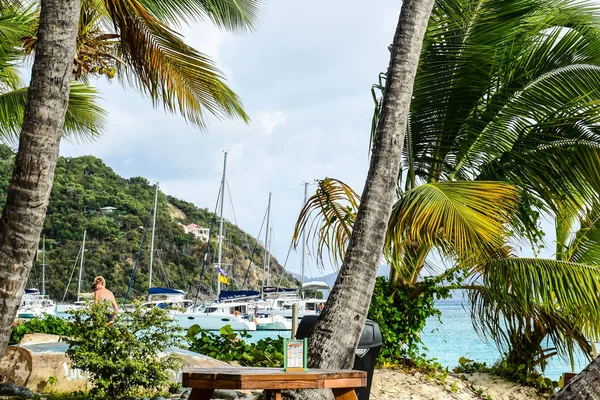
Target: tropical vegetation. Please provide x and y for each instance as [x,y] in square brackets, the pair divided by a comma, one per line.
[130,355]
[84,119]
[228,345]
[503,129]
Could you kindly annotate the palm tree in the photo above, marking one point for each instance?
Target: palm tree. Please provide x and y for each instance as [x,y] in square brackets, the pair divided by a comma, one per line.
[84,119]
[503,126]
[133,41]
[337,331]
[149,56]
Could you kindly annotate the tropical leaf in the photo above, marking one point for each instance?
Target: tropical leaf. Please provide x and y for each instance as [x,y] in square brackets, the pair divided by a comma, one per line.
[585,245]
[566,286]
[159,63]
[511,325]
[465,219]
[328,216]
[84,120]
[233,15]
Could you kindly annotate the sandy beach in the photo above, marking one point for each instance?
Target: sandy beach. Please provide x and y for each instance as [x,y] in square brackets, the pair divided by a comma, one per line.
[392,384]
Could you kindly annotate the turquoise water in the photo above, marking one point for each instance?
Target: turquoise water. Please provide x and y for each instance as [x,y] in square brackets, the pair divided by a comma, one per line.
[454,338]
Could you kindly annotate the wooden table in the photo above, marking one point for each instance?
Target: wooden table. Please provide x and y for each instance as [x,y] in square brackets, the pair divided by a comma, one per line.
[204,381]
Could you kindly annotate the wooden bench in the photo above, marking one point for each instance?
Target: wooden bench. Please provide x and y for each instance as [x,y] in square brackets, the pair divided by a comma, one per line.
[203,381]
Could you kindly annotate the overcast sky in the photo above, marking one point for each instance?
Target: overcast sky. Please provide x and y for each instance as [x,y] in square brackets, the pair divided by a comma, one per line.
[304,78]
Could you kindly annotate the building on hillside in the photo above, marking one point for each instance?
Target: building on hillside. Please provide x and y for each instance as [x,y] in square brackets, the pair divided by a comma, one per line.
[196,230]
[107,210]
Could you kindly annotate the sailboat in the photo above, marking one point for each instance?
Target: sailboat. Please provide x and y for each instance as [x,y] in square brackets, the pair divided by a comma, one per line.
[211,317]
[62,307]
[280,301]
[35,304]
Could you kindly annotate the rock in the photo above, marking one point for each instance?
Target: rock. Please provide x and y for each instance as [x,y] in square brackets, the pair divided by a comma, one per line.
[129,398]
[27,394]
[9,389]
[225,394]
[158,398]
[185,394]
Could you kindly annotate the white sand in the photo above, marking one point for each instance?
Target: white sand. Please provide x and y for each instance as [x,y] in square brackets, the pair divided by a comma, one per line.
[390,384]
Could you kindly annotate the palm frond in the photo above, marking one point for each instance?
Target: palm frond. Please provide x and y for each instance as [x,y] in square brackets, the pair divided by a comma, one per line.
[233,15]
[159,63]
[84,120]
[328,217]
[569,287]
[585,245]
[511,325]
[465,219]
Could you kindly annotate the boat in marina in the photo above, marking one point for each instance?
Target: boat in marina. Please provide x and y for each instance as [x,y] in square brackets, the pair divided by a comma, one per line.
[36,304]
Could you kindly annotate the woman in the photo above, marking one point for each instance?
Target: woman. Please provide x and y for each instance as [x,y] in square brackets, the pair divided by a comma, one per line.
[102,294]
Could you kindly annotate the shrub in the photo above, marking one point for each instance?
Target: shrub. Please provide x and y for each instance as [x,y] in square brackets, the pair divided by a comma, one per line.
[402,312]
[125,357]
[49,324]
[227,346]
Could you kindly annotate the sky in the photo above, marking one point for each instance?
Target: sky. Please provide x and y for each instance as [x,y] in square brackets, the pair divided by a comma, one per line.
[304,77]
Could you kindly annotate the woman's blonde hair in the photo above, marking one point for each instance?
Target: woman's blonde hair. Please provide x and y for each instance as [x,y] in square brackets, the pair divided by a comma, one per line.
[98,280]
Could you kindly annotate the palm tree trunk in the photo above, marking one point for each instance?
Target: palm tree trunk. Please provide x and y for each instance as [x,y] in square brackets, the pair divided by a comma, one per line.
[585,385]
[27,198]
[339,327]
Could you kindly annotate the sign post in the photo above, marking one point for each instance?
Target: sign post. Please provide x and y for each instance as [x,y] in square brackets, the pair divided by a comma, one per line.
[294,355]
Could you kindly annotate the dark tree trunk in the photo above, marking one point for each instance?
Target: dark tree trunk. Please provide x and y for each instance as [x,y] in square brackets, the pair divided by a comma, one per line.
[584,386]
[339,327]
[27,198]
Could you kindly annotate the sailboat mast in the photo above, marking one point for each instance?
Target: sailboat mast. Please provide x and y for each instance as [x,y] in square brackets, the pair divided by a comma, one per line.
[221,223]
[44,265]
[81,268]
[303,243]
[265,261]
[152,240]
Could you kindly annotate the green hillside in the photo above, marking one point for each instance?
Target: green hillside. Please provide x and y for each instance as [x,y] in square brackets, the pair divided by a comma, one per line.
[84,185]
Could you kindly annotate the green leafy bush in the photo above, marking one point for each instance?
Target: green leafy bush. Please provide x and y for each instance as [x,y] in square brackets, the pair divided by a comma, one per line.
[523,374]
[49,324]
[227,346]
[401,313]
[126,357]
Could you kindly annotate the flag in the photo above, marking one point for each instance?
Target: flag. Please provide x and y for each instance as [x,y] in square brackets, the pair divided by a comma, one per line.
[221,271]
[223,279]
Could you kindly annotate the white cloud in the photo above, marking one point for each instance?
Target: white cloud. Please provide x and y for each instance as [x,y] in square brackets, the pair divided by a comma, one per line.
[271,120]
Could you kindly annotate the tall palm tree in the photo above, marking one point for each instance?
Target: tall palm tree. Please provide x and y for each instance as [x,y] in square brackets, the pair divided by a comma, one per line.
[337,331]
[149,56]
[503,126]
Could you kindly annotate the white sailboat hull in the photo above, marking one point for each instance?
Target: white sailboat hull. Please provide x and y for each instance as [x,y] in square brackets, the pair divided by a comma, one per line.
[213,322]
[273,322]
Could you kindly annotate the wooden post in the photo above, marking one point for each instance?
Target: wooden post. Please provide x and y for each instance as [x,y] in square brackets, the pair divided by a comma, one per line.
[294,320]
